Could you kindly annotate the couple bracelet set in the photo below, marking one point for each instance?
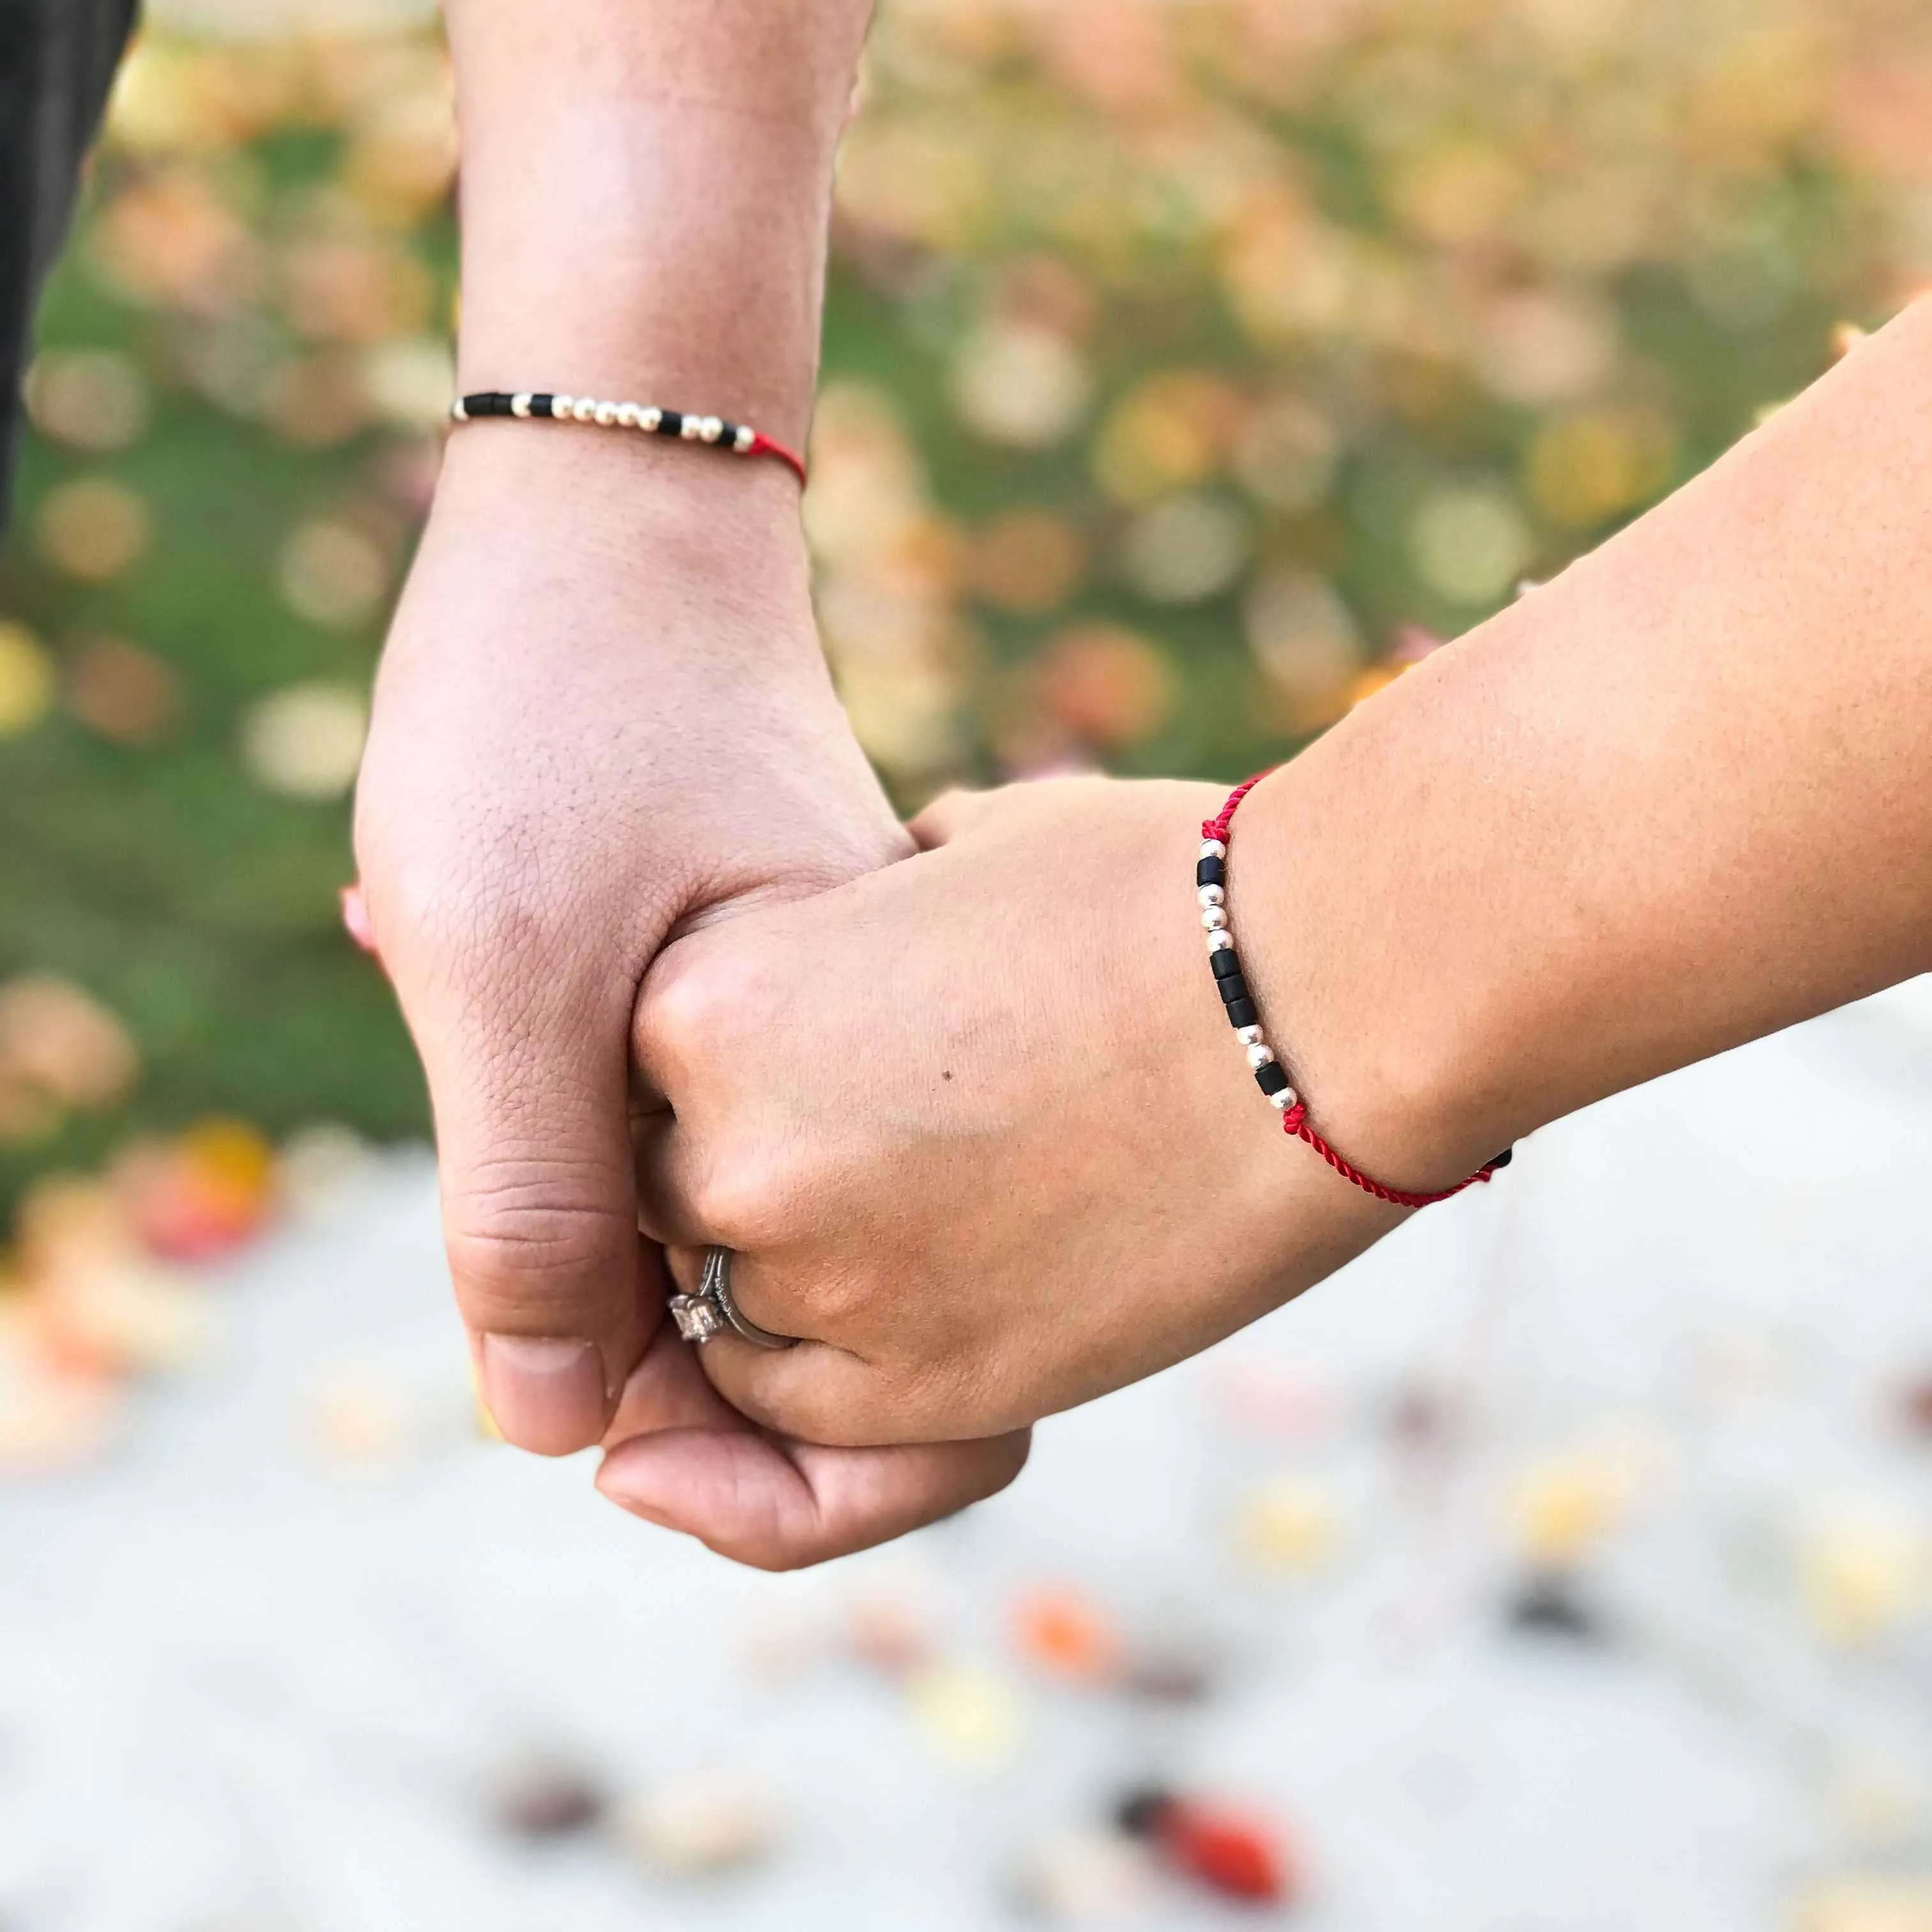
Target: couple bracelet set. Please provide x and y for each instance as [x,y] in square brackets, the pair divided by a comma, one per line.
[1210,873]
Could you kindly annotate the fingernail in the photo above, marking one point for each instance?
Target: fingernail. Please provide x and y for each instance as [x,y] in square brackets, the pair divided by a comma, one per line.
[547,1395]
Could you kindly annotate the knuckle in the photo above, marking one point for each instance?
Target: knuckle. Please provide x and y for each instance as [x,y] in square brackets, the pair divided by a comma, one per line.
[947,806]
[939,1400]
[801,1407]
[812,1415]
[475,900]
[695,997]
[850,1412]
[831,1306]
[912,1408]
[750,1201]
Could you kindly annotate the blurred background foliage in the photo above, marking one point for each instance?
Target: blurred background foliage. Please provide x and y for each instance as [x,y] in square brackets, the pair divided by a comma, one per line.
[1190,370]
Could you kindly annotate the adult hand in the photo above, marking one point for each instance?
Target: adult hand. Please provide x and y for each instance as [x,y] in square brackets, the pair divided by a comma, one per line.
[603,712]
[603,715]
[976,1126]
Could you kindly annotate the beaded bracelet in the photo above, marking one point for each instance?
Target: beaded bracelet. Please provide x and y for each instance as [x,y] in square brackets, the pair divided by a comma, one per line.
[737,438]
[1211,880]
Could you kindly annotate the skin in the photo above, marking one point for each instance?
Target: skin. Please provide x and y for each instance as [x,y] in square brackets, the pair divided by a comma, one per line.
[976,1124]
[1672,802]
[603,717]
[977,1127]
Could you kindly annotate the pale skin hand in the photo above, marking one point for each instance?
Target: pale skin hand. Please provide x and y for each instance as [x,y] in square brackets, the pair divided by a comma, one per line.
[603,715]
[973,1121]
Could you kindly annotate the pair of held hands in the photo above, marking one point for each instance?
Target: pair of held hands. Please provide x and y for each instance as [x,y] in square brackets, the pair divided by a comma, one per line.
[962,1098]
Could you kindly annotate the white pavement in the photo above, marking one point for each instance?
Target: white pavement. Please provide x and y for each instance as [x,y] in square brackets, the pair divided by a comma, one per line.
[260,1671]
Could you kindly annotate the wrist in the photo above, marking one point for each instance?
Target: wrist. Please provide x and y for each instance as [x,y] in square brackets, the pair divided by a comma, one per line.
[1347,997]
[670,251]
[578,547]
[655,507]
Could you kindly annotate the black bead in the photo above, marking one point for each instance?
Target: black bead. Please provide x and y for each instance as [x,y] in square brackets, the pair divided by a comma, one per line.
[540,406]
[672,423]
[1224,962]
[1140,1814]
[1211,872]
[1272,1078]
[490,403]
[1551,1606]
[1504,1159]
[727,436]
[1233,987]
[1242,1013]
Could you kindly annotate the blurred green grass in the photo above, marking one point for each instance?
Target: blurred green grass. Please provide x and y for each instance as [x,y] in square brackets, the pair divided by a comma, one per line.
[1185,375]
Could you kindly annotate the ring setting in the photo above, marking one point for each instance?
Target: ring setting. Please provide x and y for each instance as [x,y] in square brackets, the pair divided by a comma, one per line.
[711,1311]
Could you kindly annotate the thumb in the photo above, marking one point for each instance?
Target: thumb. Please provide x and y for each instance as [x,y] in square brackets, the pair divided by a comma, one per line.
[529,1086]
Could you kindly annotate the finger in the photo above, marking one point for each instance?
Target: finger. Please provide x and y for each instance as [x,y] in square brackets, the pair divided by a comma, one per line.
[667,1175]
[795,1315]
[355,920]
[540,1218]
[684,1266]
[781,1508]
[667,1390]
[956,814]
[816,1393]
[950,816]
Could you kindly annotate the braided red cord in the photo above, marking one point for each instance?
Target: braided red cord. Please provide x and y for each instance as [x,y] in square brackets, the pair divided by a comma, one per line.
[1295,1122]
[1217,828]
[763,444]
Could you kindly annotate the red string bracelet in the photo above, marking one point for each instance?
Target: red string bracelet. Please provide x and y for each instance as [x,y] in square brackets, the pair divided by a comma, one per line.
[1210,878]
[737,439]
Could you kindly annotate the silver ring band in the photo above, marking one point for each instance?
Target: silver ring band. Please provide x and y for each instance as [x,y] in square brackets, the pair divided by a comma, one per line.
[702,1317]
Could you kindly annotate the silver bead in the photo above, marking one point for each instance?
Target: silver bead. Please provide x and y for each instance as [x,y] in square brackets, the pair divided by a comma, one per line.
[1282,1101]
[1250,1036]
[710,429]
[692,429]
[745,438]
[1214,919]
[457,413]
[1220,941]
[520,404]
[629,415]
[1213,895]
[1260,1055]
[1213,848]
[607,414]
[585,408]
[560,406]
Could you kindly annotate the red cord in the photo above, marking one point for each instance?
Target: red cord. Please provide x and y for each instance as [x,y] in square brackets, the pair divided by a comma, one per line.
[1295,1122]
[763,444]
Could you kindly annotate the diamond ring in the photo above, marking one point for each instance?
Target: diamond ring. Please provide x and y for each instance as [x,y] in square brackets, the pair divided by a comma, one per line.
[711,1311]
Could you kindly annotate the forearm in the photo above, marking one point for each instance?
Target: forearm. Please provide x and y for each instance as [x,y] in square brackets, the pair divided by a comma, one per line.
[1677,798]
[646,189]
[602,711]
